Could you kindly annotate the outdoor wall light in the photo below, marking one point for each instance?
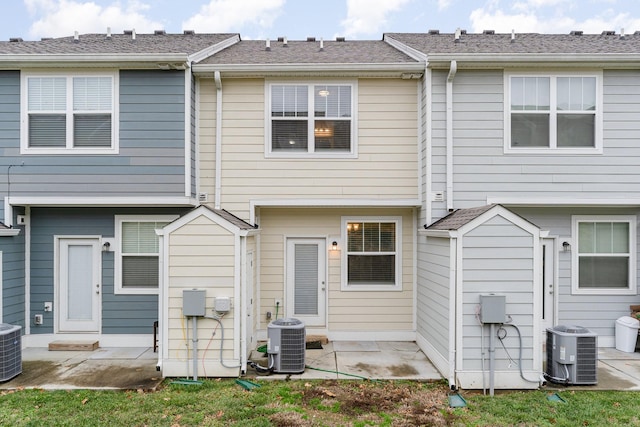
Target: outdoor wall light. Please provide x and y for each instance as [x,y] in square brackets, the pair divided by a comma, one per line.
[334,246]
[566,246]
[106,246]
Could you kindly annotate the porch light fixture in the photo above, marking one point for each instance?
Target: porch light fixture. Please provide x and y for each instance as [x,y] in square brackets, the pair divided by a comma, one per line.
[106,246]
[334,246]
[324,93]
[566,246]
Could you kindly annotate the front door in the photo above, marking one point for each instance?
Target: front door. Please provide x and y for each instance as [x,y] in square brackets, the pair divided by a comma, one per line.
[79,284]
[548,286]
[306,287]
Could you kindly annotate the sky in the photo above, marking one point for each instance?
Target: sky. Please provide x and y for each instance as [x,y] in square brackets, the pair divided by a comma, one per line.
[299,19]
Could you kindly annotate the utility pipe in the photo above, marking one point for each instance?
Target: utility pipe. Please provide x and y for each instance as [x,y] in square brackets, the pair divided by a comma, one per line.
[449,133]
[218,171]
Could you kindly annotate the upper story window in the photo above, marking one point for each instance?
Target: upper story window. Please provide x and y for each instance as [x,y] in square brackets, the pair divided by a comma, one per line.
[311,120]
[553,113]
[70,114]
[373,257]
[604,259]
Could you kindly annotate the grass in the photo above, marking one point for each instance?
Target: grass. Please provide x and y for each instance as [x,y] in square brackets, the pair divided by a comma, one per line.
[314,403]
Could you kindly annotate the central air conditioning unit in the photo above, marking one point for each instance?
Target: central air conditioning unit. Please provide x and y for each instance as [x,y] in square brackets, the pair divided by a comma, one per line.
[572,355]
[286,346]
[10,351]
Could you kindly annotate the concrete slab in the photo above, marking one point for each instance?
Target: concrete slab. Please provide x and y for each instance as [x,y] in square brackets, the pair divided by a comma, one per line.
[126,369]
[359,346]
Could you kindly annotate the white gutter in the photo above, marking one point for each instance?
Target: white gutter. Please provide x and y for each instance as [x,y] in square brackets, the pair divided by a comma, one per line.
[449,134]
[394,68]
[218,172]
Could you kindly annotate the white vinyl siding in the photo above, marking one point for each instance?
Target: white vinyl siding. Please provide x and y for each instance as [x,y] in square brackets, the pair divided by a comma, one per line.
[137,262]
[604,255]
[310,120]
[553,113]
[75,114]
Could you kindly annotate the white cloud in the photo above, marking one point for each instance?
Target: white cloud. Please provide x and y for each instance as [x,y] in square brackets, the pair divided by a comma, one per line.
[368,16]
[229,15]
[444,4]
[56,18]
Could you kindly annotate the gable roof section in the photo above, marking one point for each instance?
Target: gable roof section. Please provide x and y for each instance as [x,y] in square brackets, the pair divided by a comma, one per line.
[527,47]
[94,49]
[254,57]
[462,220]
[225,219]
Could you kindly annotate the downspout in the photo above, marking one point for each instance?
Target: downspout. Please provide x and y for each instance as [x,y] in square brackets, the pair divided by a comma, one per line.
[428,145]
[218,172]
[244,315]
[453,312]
[187,131]
[449,132]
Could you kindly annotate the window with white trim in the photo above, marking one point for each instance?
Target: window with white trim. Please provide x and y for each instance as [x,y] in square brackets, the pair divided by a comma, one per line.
[604,255]
[69,113]
[553,113]
[137,254]
[311,120]
[372,259]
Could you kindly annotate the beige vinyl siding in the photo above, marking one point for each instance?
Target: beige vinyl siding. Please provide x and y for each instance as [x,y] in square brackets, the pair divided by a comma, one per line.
[201,256]
[347,310]
[207,136]
[386,166]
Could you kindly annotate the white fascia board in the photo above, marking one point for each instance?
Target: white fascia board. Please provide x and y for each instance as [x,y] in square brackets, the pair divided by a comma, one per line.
[213,49]
[102,201]
[473,60]
[9,232]
[91,60]
[444,234]
[386,69]
[559,202]
[407,50]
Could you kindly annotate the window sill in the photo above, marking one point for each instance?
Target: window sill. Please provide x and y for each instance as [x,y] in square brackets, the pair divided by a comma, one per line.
[554,151]
[68,151]
[136,291]
[371,288]
[603,291]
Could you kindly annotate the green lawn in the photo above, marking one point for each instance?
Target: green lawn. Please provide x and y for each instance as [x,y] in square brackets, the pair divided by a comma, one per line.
[314,403]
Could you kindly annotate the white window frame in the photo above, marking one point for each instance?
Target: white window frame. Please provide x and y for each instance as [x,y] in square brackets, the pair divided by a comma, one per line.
[117,273]
[575,280]
[69,148]
[345,286]
[553,112]
[353,153]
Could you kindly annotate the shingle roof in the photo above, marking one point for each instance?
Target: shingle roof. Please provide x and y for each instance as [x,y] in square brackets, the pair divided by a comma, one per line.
[309,52]
[116,44]
[523,43]
[459,218]
[241,224]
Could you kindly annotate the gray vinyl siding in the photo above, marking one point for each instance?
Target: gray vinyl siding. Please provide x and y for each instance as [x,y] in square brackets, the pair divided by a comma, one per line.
[438,141]
[13,279]
[193,143]
[121,314]
[497,257]
[597,313]
[152,147]
[482,169]
[433,293]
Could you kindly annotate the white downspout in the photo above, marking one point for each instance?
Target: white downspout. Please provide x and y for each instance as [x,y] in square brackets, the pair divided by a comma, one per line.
[449,130]
[218,172]
[453,312]
[428,146]
[244,314]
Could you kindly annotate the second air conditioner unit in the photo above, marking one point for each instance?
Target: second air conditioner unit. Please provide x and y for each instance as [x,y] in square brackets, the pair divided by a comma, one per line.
[572,355]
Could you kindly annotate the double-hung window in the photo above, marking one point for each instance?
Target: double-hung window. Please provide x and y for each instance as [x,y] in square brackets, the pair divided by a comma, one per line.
[71,114]
[372,260]
[553,113]
[137,254]
[604,260]
[315,120]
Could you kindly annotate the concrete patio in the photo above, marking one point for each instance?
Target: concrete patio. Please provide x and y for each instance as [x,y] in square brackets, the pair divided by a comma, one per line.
[135,368]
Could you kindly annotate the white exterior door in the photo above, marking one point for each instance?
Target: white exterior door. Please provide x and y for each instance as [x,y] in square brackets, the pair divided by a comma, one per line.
[306,283]
[79,284]
[548,285]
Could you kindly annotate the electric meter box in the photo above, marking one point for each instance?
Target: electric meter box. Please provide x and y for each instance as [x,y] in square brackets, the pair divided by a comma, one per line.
[493,308]
[193,302]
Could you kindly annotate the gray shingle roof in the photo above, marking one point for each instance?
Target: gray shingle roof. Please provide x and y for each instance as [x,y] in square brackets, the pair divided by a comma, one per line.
[117,44]
[527,43]
[459,218]
[241,224]
[309,52]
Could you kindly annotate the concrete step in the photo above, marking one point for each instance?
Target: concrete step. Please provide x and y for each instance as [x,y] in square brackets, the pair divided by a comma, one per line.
[74,345]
